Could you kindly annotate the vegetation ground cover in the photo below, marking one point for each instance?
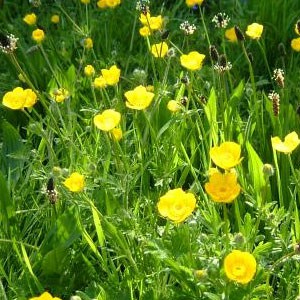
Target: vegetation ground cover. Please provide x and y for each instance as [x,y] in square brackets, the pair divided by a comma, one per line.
[149,149]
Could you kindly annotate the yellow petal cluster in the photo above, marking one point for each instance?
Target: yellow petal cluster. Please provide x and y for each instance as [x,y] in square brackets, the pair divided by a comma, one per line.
[231,35]
[173,106]
[295,44]
[150,24]
[160,49]
[108,3]
[223,187]
[55,19]
[107,120]
[240,266]
[176,205]
[45,296]
[192,61]
[100,82]
[59,95]
[30,19]
[75,183]
[254,31]
[191,3]
[88,43]
[19,98]
[38,35]
[111,75]
[89,70]
[227,155]
[85,1]
[138,98]
[117,133]
[290,143]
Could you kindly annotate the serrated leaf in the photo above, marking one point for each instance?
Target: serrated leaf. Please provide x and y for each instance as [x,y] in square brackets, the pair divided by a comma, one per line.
[263,248]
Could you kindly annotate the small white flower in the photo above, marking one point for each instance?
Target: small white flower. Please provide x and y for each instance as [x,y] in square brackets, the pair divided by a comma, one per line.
[8,43]
[221,20]
[187,28]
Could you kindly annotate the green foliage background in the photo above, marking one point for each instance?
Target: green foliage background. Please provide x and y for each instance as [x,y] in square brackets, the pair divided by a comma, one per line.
[109,241]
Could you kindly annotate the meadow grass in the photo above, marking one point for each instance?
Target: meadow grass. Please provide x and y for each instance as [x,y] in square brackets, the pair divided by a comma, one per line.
[107,233]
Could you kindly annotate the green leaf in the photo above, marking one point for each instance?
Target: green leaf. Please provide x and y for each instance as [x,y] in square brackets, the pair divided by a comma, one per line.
[53,261]
[262,248]
[255,170]
[6,205]
[211,114]
[13,152]
[98,226]
[63,233]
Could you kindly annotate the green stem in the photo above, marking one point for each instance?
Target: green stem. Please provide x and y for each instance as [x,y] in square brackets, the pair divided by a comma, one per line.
[279,188]
[226,227]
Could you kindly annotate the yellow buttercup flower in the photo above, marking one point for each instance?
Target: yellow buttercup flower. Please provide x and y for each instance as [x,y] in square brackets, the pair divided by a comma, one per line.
[254,30]
[160,49]
[191,3]
[108,3]
[138,98]
[173,106]
[192,61]
[30,98]
[145,31]
[112,75]
[60,95]
[176,205]
[30,19]
[45,296]
[38,35]
[85,1]
[107,120]
[295,44]
[100,82]
[88,43]
[89,70]
[55,19]
[75,182]
[113,3]
[19,98]
[227,155]
[291,141]
[117,133]
[150,88]
[231,35]
[154,23]
[223,187]
[14,99]
[240,266]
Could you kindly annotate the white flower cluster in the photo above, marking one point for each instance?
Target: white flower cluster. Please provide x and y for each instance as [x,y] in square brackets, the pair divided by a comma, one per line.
[8,43]
[278,76]
[142,5]
[221,20]
[221,68]
[187,28]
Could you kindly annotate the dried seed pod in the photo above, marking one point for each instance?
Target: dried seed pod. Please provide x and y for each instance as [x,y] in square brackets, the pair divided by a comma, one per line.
[184,100]
[213,52]
[165,34]
[275,98]
[239,34]
[51,192]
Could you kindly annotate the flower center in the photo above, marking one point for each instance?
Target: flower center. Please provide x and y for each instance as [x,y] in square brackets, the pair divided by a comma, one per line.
[238,270]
